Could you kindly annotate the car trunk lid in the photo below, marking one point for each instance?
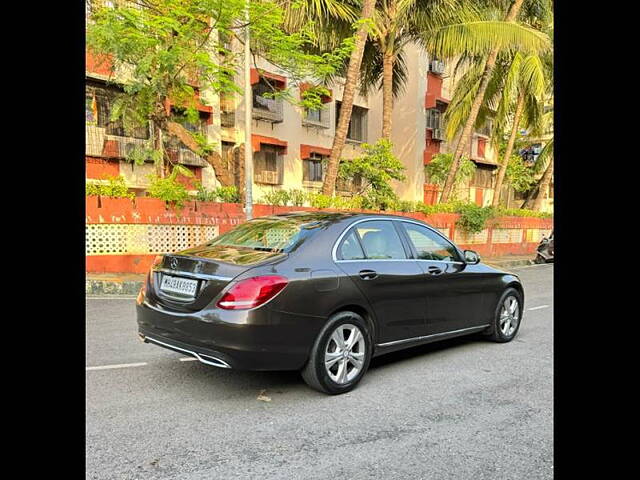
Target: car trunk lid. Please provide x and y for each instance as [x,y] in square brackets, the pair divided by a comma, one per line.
[189,280]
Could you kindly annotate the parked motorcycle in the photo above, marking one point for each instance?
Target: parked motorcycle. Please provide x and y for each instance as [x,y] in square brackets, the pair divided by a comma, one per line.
[544,252]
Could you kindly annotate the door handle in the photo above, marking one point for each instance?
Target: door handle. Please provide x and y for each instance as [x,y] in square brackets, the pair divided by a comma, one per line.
[434,270]
[368,274]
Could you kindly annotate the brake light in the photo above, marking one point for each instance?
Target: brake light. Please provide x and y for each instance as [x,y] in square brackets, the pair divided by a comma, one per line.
[157,261]
[252,292]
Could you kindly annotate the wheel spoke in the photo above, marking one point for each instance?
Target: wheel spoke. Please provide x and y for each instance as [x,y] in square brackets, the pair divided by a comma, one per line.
[342,371]
[330,358]
[357,362]
[513,306]
[354,338]
[338,337]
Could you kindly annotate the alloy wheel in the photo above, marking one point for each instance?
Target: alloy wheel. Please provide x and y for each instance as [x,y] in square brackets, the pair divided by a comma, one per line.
[509,316]
[345,353]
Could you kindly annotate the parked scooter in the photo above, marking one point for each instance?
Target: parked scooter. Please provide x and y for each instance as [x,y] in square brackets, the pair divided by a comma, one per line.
[544,252]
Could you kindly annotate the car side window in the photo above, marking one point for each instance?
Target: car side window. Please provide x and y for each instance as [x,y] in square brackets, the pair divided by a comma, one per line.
[350,248]
[430,245]
[380,240]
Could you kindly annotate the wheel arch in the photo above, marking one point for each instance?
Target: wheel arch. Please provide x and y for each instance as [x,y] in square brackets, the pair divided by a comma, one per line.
[364,313]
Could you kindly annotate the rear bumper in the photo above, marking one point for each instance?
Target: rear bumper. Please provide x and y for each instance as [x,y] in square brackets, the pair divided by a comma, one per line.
[251,340]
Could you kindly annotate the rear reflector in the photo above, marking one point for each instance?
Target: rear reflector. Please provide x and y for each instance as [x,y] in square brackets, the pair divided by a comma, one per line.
[252,292]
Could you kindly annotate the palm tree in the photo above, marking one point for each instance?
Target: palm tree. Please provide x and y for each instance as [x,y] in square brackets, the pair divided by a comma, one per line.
[348,95]
[478,99]
[526,80]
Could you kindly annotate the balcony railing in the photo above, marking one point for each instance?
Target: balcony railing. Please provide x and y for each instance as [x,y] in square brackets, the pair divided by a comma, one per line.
[268,109]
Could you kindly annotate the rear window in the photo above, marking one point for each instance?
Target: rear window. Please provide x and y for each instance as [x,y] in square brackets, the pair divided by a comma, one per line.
[267,235]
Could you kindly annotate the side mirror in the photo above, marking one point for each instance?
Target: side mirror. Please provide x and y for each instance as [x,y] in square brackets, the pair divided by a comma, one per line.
[471,257]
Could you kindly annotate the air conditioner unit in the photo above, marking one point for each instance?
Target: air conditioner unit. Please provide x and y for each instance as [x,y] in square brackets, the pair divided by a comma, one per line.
[268,176]
[437,134]
[437,67]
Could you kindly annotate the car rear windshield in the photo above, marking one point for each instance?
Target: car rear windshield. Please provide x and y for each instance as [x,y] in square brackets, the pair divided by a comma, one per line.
[267,234]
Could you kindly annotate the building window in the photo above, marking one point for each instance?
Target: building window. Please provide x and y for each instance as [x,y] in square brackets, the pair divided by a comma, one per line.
[482,177]
[259,100]
[434,118]
[358,123]
[268,164]
[312,168]
[99,103]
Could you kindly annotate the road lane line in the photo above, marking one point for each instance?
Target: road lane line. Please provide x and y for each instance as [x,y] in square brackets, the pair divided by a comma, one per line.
[539,307]
[121,365]
[188,359]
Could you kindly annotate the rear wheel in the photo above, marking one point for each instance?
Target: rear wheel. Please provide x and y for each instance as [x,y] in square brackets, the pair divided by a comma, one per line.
[340,355]
[507,317]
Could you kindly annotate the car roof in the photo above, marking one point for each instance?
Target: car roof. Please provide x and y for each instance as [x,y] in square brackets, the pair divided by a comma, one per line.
[311,216]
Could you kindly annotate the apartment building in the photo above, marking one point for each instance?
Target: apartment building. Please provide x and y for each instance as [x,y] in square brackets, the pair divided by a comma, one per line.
[289,144]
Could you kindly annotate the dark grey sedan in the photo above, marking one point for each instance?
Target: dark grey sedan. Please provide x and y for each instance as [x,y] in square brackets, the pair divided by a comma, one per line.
[323,293]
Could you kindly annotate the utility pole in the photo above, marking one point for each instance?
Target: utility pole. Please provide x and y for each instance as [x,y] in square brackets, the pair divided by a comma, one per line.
[248,104]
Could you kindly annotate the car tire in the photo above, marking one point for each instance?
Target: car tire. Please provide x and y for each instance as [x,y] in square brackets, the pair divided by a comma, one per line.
[341,375]
[498,332]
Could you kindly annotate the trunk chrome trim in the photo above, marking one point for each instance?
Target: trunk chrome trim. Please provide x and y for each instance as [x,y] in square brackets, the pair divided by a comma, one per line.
[435,335]
[216,362]
[197,276]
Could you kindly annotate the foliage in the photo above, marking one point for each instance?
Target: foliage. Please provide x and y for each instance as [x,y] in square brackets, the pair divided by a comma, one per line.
[377,168]
[168,46]
[319,200]
[439,166]
[115,188]
[473,217]
[227,194]
[276,197]
[520,176]
[297,197]
[168,189]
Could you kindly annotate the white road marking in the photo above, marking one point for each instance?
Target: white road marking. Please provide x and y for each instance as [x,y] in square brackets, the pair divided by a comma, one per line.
[121,365]
[188,359]
[538,307]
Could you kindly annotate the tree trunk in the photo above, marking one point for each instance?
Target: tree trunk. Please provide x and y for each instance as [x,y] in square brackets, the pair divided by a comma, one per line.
[387,92]
[347,101]
[507,154]
[219,164]
[463,142]
[544,186]
[159,147]
[530,197]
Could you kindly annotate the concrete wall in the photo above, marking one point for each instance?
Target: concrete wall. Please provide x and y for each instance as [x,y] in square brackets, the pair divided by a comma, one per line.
[123,236]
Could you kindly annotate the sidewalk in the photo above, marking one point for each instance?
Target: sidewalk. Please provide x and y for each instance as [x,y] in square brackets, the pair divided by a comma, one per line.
[128,284]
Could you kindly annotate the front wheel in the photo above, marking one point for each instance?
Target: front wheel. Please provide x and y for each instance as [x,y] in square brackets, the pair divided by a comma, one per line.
[340,355]
[507,316]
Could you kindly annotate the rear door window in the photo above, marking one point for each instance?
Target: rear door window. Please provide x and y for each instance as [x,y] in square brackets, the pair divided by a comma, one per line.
[380,240]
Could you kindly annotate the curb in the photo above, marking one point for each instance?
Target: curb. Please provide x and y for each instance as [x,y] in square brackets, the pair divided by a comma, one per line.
[105,287]
[510,263]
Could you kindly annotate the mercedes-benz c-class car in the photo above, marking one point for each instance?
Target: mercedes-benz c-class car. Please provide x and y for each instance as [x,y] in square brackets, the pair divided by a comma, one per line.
[323,293]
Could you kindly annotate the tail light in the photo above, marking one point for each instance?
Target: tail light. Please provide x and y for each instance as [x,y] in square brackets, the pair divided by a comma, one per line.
[252,292]
[157,261]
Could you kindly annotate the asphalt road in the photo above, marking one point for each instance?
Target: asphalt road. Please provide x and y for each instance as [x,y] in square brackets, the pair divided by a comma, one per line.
[460,409]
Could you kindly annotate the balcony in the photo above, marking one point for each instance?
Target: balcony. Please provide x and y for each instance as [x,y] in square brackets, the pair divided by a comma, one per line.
[267,109]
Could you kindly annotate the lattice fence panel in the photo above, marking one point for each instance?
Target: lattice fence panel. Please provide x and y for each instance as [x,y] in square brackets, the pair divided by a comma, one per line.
[466,238]
[506,235]
[123,239]
[445,231]
[536,234]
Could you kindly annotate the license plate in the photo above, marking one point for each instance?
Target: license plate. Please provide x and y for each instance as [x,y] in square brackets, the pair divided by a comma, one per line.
[182,286]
